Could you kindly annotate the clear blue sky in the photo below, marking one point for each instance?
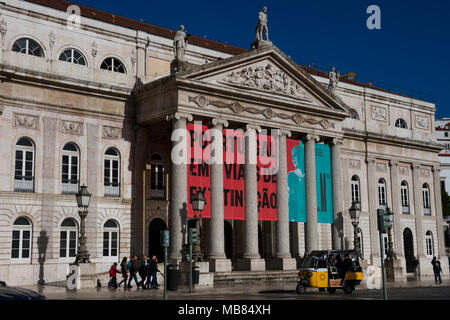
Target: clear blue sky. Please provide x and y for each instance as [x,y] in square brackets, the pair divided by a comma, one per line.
[409,55]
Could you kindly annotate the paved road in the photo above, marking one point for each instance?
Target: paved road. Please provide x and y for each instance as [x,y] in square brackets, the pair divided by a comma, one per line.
[242,292]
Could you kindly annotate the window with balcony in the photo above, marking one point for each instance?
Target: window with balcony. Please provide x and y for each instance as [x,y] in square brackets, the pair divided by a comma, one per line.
[112,173]
[74,56]
[28,46]
[426,199]
[404,195]
[24,166]
[70,169]
[355,189]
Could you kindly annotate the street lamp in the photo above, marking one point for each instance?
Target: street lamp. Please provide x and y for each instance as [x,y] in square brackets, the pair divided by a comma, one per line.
[198,204]
[83,199]
[355,212]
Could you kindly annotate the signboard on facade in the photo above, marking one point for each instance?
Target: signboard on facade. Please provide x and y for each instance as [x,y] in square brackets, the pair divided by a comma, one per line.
[198,176]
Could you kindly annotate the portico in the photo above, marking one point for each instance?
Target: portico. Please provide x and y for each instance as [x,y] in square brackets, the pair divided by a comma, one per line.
[258,90]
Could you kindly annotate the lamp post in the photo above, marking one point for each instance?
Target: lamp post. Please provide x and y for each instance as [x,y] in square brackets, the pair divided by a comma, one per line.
[355,212]
[198,204]
[83,199]
[385,219]
[390,253]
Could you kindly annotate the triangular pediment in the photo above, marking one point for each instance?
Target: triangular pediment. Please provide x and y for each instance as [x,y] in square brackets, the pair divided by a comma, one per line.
[269,73]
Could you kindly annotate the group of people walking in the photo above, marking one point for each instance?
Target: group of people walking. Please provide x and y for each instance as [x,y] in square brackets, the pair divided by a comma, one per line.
[146,268]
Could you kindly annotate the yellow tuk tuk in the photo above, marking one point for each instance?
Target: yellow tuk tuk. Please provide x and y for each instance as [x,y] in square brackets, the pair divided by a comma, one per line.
[320,270]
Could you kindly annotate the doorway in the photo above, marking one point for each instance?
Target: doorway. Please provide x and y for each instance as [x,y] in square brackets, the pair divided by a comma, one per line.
[154,245]
[408,246]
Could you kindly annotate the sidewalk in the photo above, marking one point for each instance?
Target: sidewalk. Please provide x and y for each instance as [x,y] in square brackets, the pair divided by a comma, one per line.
[59,292]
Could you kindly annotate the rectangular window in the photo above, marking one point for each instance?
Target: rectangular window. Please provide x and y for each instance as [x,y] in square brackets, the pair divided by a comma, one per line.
[114,244]
[106,244]
[63,244]
[15,247]
[73,244]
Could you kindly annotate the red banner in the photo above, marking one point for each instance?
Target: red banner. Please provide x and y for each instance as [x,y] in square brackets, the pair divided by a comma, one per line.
[233,173]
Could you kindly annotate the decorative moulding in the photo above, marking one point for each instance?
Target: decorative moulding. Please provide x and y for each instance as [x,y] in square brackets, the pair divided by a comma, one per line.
[26,121]
[381,167]
[425,173]
[112,132]
[379,113]
[265,77]
[404,171]
[355,164]
[72,127]
[422,122]
[268,113]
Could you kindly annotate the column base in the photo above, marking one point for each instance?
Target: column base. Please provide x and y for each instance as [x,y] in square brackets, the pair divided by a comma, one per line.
[282,264]
[394,271]
[251,264]
[219,265]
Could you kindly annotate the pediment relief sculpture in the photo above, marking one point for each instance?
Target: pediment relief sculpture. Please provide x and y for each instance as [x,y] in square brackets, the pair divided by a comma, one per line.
[267,78]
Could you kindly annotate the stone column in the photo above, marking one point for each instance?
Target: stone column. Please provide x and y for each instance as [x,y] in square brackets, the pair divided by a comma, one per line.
[217,259]
[439,224]
[418,211]
[396,208]
[337,228]
[178,203]
[251,259]
[283,259]
[311,226]
[373,193]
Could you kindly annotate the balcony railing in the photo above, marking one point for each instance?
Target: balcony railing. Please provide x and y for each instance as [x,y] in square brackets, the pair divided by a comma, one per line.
[70,186]
[23,184]
[427,211]
[157,194]
[112,189]
[405,209]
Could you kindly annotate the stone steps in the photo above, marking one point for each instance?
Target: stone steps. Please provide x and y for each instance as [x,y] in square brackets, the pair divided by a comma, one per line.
[249,277]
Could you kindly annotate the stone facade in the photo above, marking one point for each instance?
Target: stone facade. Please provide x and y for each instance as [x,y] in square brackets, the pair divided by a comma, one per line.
[53,103]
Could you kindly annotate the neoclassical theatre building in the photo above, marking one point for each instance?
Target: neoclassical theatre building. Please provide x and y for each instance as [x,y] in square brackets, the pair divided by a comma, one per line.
[88,97]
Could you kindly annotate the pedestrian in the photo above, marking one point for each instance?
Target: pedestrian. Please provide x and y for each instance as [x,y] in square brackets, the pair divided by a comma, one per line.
[113,275]
[154,270]
[142,272]
[338,264]
[148,274]
[437,269]
[415,263]
[347,265]
[133,267]
[124,271]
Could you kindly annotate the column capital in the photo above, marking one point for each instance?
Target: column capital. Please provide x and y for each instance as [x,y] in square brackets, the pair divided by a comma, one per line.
[311,136]
[179,115]
[337,141]
[393,163]
[415,166]
[249,127]
[219,121]
[370,159]
[436,169]
[284,132]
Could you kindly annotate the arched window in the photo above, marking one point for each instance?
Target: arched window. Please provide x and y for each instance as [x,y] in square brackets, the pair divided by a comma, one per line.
[24,166]
[70,169]
[355,189]
[68,239]
[113,64]
[21,240]
[157,178]
[426,199]
[400,123]
[354,114]
[28,46]
[404,194]
[112,173]
[111,239]
[73,56]
[429,244]
[382,200]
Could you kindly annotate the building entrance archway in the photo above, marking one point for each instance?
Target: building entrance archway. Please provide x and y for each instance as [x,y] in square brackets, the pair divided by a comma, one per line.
[408,246]
[155,248]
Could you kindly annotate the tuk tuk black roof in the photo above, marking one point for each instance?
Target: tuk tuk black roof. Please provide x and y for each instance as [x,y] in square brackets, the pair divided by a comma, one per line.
[319,253]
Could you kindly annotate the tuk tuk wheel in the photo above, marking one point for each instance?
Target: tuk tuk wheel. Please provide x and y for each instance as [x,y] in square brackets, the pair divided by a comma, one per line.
[348,288]
[301,289]
[331,290]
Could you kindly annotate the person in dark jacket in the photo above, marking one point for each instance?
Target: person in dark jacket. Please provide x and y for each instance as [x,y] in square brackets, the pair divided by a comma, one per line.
[153,271]
[415,263]
[133,267]
[124,271]
[142,273]
[347,265]
[437,269]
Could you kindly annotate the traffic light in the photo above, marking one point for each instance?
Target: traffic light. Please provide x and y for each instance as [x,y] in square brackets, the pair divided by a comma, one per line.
[192,235]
